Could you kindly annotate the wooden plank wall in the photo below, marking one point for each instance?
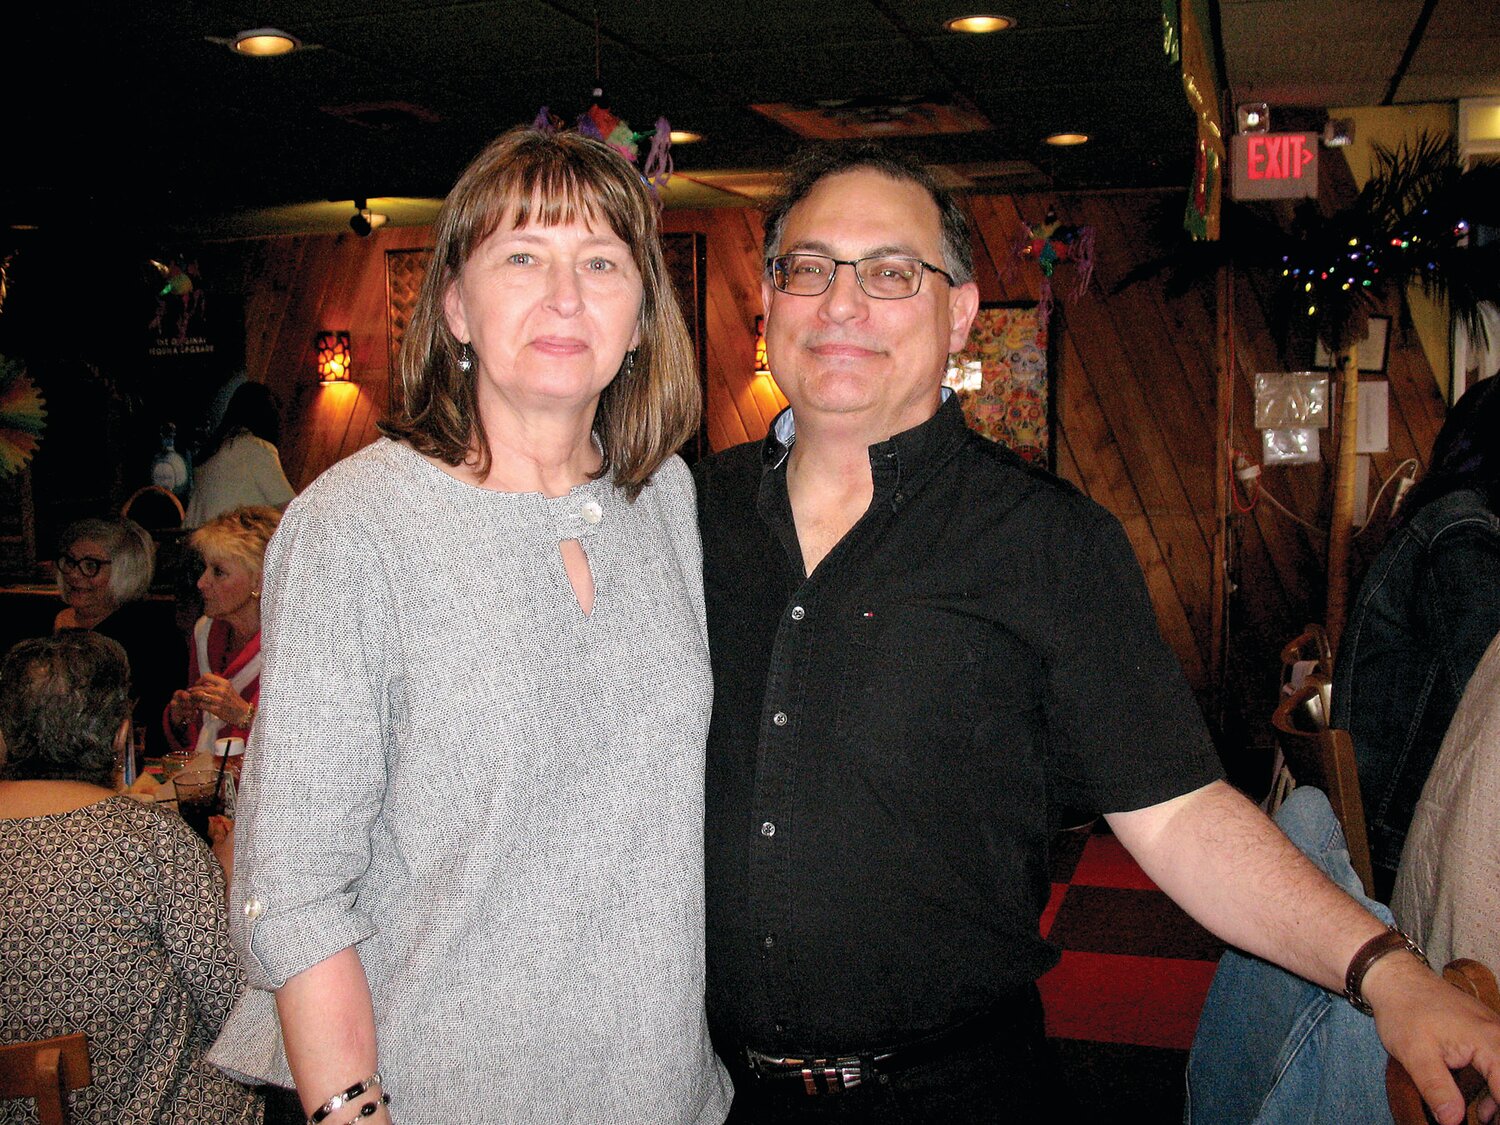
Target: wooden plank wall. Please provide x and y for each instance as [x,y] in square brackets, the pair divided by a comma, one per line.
[1135,398]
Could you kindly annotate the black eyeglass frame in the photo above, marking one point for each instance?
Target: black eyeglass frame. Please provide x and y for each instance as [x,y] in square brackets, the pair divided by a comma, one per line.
[776,274]
[88,565]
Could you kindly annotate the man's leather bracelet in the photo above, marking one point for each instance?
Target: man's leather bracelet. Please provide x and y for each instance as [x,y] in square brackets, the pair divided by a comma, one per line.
[1366,955]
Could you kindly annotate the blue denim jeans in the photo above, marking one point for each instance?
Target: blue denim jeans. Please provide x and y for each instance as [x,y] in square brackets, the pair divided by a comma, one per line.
[1273,1049]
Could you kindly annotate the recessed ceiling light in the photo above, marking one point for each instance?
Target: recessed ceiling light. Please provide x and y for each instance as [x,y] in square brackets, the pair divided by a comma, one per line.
[1064,140]
[263,42]
[979,25]
[684,137]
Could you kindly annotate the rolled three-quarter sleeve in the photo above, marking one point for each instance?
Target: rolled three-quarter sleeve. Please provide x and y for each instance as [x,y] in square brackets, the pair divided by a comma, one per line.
[315,775]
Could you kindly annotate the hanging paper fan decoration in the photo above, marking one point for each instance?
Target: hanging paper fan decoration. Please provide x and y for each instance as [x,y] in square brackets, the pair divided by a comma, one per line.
[1051,244]
[22,417]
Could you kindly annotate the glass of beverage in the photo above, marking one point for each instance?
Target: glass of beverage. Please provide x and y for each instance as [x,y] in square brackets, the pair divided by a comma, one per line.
[202,794]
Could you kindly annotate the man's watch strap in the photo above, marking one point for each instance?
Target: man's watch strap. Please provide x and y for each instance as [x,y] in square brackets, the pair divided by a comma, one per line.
[1366,955]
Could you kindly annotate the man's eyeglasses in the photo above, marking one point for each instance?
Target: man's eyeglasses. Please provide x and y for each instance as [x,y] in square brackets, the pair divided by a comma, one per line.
[88,566]
[886,277]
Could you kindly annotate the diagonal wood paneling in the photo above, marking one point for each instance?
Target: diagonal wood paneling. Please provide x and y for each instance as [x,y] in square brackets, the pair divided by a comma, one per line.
[1135,405]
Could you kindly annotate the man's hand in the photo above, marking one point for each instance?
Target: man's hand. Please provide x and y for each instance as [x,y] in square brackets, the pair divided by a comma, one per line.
[1431,1028]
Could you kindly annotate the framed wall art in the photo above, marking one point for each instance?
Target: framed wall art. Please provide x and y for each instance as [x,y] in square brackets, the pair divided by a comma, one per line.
[1004,379]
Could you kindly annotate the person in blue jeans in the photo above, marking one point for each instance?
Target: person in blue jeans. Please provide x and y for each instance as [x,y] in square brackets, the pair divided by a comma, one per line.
[1428,608]
[1274,1049]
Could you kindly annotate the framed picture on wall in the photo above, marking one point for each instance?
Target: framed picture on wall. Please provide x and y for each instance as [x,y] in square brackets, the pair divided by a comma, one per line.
[404,271]
[1004,379]
[1374,349]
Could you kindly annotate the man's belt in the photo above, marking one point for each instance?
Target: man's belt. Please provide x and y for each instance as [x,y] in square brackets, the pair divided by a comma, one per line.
[833,1074]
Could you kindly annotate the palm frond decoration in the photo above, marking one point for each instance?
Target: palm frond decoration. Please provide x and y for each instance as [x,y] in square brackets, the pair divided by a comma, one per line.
[1409,225]
[22,416]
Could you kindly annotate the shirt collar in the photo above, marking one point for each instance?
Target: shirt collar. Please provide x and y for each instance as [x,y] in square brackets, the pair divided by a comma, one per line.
[897,458]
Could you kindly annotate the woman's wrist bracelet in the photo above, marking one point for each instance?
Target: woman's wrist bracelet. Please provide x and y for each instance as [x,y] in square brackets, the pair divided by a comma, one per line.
[369,1109]
[344,1097]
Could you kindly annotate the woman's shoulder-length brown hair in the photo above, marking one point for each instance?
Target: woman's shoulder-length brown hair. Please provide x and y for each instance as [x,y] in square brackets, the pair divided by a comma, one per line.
[651,408]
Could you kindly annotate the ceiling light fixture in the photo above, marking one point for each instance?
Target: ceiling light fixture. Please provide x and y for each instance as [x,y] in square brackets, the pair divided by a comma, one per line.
[979,25]
[264,42]
[363,221]
[684,137]
[1067,140]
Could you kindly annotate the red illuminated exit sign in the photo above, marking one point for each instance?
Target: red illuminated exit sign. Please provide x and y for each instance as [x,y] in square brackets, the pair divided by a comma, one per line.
[1273,165]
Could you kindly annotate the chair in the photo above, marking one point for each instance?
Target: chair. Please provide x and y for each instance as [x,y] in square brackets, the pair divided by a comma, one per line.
[1406,1103]
[47,1070]
[154,508]
[1306,707]
[1310,644]
[1318,755]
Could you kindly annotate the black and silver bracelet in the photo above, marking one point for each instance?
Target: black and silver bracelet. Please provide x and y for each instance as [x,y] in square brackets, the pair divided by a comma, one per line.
[344,1098]
[368,1109]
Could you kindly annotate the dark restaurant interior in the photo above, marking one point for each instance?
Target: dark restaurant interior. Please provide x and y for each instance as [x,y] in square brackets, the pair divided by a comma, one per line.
[179,214]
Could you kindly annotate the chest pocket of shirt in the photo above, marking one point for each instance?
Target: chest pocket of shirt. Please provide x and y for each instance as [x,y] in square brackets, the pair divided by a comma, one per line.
[909,682]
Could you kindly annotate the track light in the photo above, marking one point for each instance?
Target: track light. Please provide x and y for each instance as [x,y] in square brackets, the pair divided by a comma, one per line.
[363,221]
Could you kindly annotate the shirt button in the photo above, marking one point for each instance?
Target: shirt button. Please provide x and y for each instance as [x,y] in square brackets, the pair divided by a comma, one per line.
[779,718]
[591,511]
[768,941]
[780,1027]
[798,613]
[768,829]
[254,908]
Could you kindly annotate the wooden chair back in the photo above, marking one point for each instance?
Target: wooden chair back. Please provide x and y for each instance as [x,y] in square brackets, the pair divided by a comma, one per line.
[1310,644]
[1406,1103]
[154,508]
[1323,757]
[47,1070]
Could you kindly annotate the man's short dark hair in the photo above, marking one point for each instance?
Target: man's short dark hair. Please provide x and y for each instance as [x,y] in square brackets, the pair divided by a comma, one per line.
[62,700]
[816,162]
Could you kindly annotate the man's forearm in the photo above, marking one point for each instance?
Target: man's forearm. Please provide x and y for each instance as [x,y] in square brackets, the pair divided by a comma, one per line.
[1224,862]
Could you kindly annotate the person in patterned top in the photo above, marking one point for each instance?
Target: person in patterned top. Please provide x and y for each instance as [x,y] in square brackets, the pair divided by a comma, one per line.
[112,912]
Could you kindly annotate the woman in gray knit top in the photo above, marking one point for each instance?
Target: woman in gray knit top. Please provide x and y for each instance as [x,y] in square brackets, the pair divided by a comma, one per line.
[469,842]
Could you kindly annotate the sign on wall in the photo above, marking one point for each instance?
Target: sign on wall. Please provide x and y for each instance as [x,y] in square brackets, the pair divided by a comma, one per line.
[1273,165]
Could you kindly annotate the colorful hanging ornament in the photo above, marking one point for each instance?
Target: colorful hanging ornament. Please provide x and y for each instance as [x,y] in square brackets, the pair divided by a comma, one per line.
[22,416]
[1052,243]
[602,125]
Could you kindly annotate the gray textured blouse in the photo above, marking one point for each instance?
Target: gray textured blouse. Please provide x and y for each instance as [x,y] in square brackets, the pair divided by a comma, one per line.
[497,799]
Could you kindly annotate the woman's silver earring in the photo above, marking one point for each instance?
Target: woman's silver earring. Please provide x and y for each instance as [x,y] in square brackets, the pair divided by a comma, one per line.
[465,358]
[629,364]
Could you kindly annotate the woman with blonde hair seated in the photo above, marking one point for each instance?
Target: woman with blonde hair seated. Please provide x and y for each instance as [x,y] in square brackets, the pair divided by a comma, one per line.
[112,912]
[224,663]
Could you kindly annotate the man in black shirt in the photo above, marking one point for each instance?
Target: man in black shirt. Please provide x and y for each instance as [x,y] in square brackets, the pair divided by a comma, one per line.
[920,647]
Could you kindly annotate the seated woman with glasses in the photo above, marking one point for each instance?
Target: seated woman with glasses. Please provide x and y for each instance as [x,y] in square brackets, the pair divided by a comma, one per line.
[104,570]
[112,913]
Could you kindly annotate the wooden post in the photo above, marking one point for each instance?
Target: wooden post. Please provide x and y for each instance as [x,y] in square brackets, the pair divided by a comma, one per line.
[1341,522]
[1223,407]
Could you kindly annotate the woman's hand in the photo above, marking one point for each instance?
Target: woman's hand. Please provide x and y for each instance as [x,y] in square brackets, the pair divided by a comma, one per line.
[217,696]
[181,708]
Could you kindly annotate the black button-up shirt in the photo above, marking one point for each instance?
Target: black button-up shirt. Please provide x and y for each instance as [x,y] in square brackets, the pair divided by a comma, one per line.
[889,733]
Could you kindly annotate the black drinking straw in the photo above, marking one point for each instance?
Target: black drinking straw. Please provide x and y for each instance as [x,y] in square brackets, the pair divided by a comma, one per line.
[219,780]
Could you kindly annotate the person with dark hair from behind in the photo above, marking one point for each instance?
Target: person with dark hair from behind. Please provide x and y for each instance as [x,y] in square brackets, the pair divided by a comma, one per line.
[1427,609]
[112,912]
[241,464]
[104,572]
